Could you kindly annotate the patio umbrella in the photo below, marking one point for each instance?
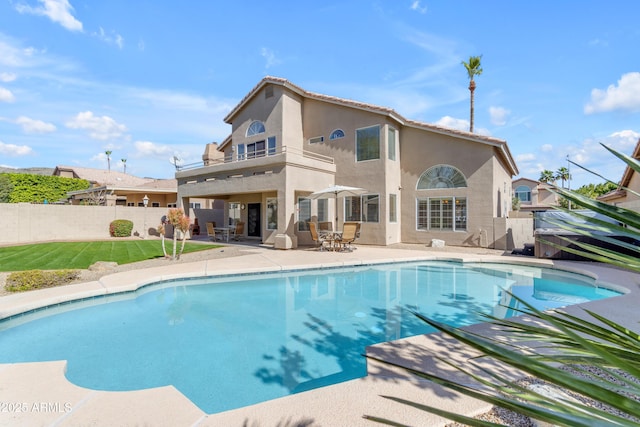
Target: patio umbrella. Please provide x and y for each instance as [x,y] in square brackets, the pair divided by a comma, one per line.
[335,191]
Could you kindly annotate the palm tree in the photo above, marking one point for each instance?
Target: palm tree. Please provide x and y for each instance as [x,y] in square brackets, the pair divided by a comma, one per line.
[473,69]
[124,164]
[563,175]
[547,176]
[108,153]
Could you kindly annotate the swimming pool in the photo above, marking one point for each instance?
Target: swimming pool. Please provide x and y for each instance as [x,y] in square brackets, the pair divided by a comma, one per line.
[233,341]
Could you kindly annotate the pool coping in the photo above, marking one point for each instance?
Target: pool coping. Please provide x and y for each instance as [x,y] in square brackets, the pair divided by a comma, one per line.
[55,401]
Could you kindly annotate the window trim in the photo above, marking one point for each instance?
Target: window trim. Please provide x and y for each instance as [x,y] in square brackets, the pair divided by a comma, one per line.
[357,150]
[437,169]
[528,192]
[303,225]
[271,202]
[393,208]
[392,131]
[336,134]
[454,218]
[361,207]
[251,131]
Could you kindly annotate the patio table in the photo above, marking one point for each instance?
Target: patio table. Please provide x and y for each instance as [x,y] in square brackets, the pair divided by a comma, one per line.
[226,231]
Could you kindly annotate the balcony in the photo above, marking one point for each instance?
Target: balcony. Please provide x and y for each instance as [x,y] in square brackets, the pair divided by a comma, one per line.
[267,161]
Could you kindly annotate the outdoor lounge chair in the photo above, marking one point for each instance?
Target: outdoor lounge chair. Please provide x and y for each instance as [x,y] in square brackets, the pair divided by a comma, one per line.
[316,237]
[349,231]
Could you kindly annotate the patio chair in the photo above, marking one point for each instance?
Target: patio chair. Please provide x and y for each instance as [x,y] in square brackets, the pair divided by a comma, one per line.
[349,231]
[319,240]
[238,231]
[325,226]
[211,230]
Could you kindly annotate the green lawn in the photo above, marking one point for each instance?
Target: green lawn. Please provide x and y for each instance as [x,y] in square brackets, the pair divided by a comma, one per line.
[80,255]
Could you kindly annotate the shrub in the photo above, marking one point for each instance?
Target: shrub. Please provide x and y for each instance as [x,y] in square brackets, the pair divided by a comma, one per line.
[120,228]
[20,281]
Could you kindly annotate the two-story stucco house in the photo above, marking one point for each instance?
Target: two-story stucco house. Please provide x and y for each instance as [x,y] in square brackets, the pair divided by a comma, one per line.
[534,196]
[422,181]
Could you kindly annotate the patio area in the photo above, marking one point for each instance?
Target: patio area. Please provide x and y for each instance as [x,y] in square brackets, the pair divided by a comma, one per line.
[40,394]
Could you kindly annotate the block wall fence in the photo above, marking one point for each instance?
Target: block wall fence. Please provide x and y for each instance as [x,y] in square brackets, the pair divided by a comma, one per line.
[28,223]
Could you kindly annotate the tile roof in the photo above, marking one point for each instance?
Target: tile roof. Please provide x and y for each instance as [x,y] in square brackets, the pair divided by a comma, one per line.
[502,144]
[106,178]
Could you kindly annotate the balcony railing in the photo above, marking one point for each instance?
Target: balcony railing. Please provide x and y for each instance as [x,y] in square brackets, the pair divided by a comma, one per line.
[246,157]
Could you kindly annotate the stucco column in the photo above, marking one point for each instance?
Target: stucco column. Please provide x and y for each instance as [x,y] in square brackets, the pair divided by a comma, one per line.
[286,237]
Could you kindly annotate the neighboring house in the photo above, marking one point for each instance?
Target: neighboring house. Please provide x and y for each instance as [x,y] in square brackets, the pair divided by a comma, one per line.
[423,181]
[111,188]
[631,181]
[534,196]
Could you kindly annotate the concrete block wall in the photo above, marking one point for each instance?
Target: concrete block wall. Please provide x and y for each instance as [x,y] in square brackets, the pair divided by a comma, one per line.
[28,223]
[512,233]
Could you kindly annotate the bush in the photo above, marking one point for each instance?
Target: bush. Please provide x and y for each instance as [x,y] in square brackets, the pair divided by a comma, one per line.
[120,228]
[20,281]
[31,188]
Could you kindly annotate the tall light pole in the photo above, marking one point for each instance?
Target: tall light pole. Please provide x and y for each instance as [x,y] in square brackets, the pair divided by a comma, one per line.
[569,178]
[145,202]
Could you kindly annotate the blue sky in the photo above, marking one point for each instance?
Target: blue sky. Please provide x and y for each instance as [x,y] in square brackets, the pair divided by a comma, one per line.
[150,80]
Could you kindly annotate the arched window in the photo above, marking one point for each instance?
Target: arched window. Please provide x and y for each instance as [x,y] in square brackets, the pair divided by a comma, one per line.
[441,176]
[255,128]
[523,193]
[337,134]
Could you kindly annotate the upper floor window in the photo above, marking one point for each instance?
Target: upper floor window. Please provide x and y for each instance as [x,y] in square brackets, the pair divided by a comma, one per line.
[391,144]
[337,134]
[368,143]
[441,176]
[255,128]
[523,193]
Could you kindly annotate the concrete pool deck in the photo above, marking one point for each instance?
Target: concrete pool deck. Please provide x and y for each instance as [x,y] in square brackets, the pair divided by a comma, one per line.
[39,394]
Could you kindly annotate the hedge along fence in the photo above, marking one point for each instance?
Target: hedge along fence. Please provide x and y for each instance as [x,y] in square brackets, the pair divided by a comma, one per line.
[27,223]
[23,187]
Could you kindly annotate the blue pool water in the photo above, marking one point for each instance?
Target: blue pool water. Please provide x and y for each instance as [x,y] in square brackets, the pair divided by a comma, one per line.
[234,341]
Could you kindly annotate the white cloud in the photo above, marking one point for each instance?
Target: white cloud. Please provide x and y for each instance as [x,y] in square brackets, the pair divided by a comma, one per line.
[415,5]
[13,55]
[460,124]
[624,141]
[499,115]
[453,123]
[6,95]
[34,126]
[147,148]
[101,128]
[624,96]
[111,38]
[7,77]
[14,150]
[59,11]
[270,56]
[527,157]
[546,148]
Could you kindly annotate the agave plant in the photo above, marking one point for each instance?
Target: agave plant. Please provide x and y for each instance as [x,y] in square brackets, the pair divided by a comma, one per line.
[591,362]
